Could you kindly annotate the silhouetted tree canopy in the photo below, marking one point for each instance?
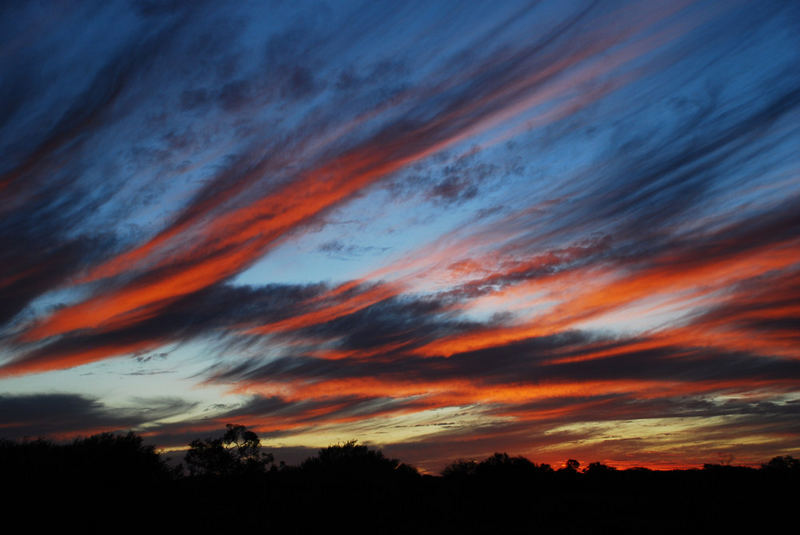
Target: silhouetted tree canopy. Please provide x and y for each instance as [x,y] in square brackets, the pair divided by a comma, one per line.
[785,464]
[499,465]
[97,481]
[571,465]
[108,457]
[460,469]
[236,452]
[598,469]
[354,459]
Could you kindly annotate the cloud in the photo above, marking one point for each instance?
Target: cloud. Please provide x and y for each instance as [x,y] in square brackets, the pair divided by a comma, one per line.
[234,239]
[337,249]
[581,215]
[202,314]
[537,363]
[69,415]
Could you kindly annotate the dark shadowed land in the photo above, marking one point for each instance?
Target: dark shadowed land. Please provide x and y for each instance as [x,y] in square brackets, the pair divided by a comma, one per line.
[114,483]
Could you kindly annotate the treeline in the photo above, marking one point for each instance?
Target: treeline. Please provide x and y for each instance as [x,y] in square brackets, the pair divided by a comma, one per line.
[117,483]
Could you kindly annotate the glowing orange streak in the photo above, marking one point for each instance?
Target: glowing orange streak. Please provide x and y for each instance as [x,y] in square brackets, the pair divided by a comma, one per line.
[549,414]
[593,303]
[653,343]
[324,189]
[108,311]
[549,324]
[70,359]
[541,96]
[350,306]
[436,259]
[672,277]
[735,339]
[538,98]
[248,231]
[455,391]
[774,312]
[319,195]
[336,354]
[412,265]
[123,262]
[280,421]
[257,233]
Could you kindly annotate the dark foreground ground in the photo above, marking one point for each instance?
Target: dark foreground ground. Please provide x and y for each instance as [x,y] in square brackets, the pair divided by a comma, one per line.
[112,483]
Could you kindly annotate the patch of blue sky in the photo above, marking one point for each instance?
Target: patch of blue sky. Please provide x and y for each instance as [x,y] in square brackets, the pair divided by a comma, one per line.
[379,229]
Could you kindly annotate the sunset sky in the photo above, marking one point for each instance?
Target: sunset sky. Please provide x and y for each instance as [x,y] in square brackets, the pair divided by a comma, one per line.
[556,229]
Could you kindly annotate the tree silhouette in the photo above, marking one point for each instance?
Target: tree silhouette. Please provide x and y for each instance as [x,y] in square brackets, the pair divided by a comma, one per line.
[783,464]
[118,476]
[598,469]
[118,457]
[460,469]
[571,465]
[236,452]
[354,460]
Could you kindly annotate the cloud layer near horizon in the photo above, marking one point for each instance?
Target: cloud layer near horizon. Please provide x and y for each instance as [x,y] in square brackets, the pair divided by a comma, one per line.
[554,229]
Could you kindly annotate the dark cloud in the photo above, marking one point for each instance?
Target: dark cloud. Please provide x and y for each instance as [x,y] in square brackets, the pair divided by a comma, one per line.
[89,110]
[45,197]
[753,303]
[528,362]
[32,272]
[338,249]
[273,417]
[319,410]
[205,314]
[463,179]
[50,415]
[395,320]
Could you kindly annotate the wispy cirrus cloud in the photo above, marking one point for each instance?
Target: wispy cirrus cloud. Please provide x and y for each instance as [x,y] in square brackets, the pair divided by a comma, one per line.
[569,214]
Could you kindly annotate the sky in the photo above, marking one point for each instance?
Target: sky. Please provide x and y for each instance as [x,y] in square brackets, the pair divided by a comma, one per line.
[554,229]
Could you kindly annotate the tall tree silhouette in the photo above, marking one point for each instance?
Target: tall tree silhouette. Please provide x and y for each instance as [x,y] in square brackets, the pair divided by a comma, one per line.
[236,452]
